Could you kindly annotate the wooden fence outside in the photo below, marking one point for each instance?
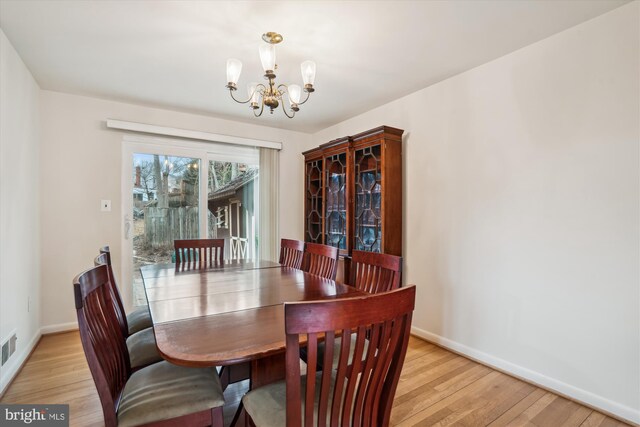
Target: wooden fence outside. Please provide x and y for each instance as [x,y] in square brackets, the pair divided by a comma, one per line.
[163,225]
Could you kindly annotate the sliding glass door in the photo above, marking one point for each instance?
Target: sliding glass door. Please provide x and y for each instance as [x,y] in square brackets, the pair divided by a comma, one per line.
[178,189]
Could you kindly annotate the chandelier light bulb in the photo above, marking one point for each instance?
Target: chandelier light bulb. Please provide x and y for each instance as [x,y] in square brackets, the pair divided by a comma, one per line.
[295,93]
[234,68]
[252,91]
[308,69]
[268,57]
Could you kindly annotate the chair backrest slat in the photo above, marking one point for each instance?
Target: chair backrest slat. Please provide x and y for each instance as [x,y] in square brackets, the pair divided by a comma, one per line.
[198,253]
[312,340]
[102,340]
[291,253]
[292,361]
[357,367]
[104,258]
[373,272]
[327,367]
[341,374]
[321,260]
[360,391]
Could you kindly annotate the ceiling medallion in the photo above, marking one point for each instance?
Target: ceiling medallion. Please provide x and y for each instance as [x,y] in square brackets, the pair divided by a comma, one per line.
[270,94]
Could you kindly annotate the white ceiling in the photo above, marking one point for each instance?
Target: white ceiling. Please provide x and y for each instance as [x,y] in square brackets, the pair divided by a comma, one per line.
[173,53]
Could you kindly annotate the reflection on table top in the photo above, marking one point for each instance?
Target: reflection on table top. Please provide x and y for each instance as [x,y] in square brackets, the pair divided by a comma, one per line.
[160,270]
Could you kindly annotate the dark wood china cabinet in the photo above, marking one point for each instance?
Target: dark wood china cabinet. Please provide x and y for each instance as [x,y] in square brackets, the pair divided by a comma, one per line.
[353,193]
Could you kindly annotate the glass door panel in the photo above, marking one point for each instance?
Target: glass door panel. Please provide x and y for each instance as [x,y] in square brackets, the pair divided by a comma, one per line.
[336,201]
[368,186]
[165,207]
[232,204]
[313,214]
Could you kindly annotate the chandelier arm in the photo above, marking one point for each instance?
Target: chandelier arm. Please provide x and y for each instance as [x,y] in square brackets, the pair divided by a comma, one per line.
[306,99]
[287,114]
[283,88]
[261,110]
[238,101]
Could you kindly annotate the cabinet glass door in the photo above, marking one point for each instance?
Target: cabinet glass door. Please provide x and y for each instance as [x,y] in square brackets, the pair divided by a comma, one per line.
[368,189]
[336,201]
[313,214]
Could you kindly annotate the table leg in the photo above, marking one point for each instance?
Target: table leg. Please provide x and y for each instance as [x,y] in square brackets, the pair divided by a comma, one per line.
[267,370]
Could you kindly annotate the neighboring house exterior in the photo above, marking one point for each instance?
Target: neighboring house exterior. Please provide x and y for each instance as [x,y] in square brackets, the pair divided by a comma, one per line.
[232,206]
[141,197]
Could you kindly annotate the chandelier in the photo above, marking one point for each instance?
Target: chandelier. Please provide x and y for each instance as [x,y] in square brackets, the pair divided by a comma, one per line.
[269,94]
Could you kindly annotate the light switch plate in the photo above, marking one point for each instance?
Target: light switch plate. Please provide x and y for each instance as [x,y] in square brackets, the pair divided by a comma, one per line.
[105,205]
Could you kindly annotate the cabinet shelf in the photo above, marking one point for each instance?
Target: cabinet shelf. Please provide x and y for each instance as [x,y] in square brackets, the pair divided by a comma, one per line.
[363,171]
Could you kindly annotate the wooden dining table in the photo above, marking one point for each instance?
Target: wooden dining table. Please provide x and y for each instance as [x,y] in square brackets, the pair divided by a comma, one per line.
[230,313]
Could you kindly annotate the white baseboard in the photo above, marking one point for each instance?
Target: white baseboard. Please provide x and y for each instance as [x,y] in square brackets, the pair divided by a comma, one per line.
[9,371]
[60,327]
[582,396]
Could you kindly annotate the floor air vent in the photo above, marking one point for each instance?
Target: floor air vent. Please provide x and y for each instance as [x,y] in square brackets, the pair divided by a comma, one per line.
[9,347]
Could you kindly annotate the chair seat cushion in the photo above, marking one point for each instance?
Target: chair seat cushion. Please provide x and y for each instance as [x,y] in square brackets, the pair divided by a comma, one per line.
[139,319]
[142,349]
[336,351]
[163,391]
[267,405]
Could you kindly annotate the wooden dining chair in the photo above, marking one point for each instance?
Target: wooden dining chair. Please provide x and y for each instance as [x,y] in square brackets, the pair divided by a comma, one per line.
[373,272]
[198,253]
[291,253]
[321,260]
[141,344]
[355,394]
[159,394]
[370,272]
[139,318]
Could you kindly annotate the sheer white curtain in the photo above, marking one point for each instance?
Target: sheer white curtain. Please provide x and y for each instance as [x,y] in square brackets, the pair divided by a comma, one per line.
[268,216]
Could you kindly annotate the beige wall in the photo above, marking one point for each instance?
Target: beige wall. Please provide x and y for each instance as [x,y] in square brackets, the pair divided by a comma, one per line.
[521,210]
[19,207]
[81,164]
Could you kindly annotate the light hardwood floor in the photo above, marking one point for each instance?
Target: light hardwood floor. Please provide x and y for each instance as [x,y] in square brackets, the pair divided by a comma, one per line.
[437,387]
